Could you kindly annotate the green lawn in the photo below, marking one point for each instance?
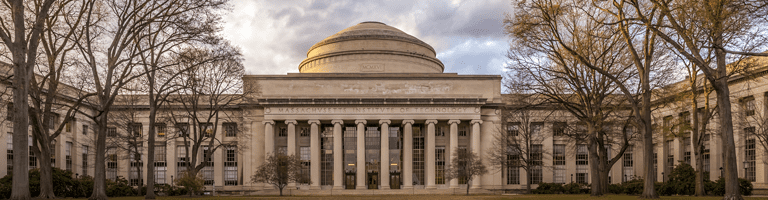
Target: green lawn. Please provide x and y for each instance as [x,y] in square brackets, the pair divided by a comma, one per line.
[438,197]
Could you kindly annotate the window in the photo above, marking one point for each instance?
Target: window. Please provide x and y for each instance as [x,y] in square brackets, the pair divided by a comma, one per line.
[230,129]
[685,123]
[183,129]
[326,156]
[230,166]
[440,132]
[85,129]
[670,156]
[536,156]
[706,152]
[558,160]
[112,163]
[513,165]
[440,165]
[85,160]
[206,129]
[581,164]
[462,164]
[418,156]
[305,156]
[207,165]
[687,150]
[749,105]
[513,129]
[629,172]
[9,110]
[558,128]
[160,130]
[160,164]
[52,147]
[52,120]
[9,151]
[749,157]
[304,132]
[282,132]
[68,125]
[111,132]
[68,156]
[536,130]
[136,159]
[182,163]
[372,149]
[350,149]
[463,131]
[32,157]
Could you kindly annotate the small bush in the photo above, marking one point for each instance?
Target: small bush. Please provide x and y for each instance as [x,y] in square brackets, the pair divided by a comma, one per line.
[191,183]
[549,188]
[574,188]
[119,188]
[718,187]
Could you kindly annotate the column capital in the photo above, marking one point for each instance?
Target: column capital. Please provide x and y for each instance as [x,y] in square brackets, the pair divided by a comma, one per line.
[385,121]
[292,121]
[337,121]
[271,122]
[359,121]
[408,121]
[454,121]
[431,121]
[474,121]
[314,121]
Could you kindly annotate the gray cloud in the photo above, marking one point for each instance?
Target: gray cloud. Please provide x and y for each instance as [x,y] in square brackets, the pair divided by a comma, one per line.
[275,35]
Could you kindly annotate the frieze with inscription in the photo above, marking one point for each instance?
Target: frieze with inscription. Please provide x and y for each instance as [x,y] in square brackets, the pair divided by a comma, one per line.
[371,110]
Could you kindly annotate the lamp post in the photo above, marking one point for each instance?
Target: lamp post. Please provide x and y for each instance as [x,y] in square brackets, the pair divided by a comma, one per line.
[171,180]
[571,178]
[745,168]
[721,172]
[76,174]
[662,177]
[625,178]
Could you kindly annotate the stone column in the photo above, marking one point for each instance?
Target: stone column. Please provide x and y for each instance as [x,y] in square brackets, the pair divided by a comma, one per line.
[475,142]
[314,149]
[269,137]
[338,161]
[430,165]
[360,154]
[291,137]
[384,170]
[407,174]
[454,144]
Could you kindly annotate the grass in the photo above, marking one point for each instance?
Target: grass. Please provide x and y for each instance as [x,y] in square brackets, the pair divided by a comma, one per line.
[440,197]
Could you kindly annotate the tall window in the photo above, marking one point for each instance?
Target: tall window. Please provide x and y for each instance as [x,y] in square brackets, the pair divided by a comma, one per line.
[183,129]
[706,152]
[9,110]
[135,129]
[230,129]
[282,132]
[112,163]
[136,158]
[52,147]
[305,157]
[181,160]
[372,152]
[558,128]
[326,156]
[418,156]
[395,164]
[513,128]
[463,130]
[687,150]
[111,132]
[462,179]
[536,130]
[350,149]
[670,156]
[230,165]
[629,172]
[558,160]
[160,130]
[304,132]
[160,164]
[513,165]
[69,125]
[440,165]
[85,129]
[85,160]
[206,129]
[441,130]
[536,156]
[207,165]
[749,156]
[581,163]
[749,105]
[53,120]
[9,151]
[32,157]
[68,156]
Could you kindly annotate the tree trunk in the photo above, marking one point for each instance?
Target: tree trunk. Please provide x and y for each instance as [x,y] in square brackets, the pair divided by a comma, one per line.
[469,184]
[22,74]
[46,171]
[649,176]
[528,184]
[594,167]
[100,176]
[151,151]
[720,85]
[697,132]
[281,191]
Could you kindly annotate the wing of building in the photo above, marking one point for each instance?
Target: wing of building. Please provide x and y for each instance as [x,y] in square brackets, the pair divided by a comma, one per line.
[372,111]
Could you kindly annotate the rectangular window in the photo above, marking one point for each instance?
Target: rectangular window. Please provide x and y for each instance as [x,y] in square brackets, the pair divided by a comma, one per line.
[53,120]
[558,160]
[513,129]
[183,129]
[85,160]
[350,149]
[749,156]
[230,166]
[536,130]
[230,129]
[581,164]
[513,163]
[206,129]
[749,105]
[52,147]
[326,156]
[9,151]
[111,132]
[68,156]
[282,132]
[208,165]
[182,162]
[441,130]
[440,165]
[558,128]
[372,149]
[160,164]
[68,125]
[629,172]
[463,131]
[687,150]
[536,156]
[135,129]
[304,132]
[9,111]
[137,163]
[160,130]
[670,156]
[112,163]
[85,129]
[418,156]
[305,156]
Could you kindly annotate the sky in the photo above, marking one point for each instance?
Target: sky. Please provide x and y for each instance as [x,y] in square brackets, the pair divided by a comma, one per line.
[274,36]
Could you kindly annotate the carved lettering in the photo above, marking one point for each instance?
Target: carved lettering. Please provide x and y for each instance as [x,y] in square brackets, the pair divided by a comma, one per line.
[372,67]
[372,110]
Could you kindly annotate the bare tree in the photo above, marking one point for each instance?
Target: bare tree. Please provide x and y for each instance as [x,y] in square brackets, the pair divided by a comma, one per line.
[465,164]
[23,23]
[279,170]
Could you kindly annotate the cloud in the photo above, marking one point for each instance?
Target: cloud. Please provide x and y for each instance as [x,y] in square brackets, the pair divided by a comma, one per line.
[275,35]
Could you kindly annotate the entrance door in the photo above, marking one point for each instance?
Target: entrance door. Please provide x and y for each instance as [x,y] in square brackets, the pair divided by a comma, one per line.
[350,180]
[394,180]
[373,180]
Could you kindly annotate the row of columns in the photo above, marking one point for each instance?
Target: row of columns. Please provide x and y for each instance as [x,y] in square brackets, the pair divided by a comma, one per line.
[407,175]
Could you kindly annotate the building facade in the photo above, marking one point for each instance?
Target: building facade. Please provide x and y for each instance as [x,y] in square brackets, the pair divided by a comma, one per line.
[372,110]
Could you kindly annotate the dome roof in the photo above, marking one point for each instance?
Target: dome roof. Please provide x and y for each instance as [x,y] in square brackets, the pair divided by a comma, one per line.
[371,47]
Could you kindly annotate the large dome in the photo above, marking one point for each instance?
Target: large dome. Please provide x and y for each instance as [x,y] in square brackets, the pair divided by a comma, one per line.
[371,47]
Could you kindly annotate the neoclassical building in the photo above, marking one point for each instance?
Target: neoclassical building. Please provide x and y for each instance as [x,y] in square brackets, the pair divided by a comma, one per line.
[373,112]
